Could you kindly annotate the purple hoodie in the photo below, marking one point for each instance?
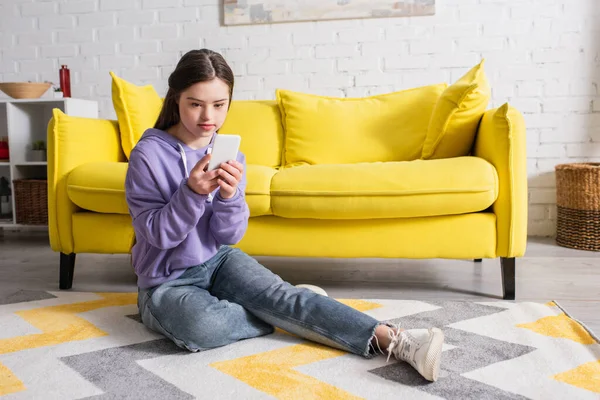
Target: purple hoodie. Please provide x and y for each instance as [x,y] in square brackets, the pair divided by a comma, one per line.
[176,228]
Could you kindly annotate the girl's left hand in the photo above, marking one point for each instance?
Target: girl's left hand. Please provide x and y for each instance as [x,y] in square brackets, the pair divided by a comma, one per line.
[230,175]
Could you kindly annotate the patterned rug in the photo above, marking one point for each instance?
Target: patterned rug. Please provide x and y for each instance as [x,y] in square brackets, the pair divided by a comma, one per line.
[70,345]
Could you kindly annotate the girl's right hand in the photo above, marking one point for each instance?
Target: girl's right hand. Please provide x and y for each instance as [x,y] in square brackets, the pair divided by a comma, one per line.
[201,181]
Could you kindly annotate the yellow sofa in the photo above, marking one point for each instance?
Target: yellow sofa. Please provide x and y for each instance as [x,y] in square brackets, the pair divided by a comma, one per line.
[422,173]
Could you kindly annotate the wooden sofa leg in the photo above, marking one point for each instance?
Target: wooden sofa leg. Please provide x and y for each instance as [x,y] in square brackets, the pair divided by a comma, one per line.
[477,260]
[67,266]
[508,277]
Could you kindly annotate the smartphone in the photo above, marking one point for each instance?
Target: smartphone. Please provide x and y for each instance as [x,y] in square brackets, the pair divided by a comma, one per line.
[225,148]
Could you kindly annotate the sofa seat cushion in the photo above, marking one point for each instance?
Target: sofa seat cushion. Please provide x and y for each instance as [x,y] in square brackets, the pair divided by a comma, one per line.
[100,187]
[385,190]
[258,189]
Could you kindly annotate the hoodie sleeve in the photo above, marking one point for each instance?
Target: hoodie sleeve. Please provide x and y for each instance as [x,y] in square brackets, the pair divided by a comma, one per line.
[164,223]
[229,220]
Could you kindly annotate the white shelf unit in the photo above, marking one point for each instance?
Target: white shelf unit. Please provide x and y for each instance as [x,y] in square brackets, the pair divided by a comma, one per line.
[24,122]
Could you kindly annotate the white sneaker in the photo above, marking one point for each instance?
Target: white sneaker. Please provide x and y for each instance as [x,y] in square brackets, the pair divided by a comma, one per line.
[314,288]
[421,348]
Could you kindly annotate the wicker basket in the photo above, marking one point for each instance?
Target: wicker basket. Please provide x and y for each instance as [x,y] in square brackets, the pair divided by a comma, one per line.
[31,201]
[578,205]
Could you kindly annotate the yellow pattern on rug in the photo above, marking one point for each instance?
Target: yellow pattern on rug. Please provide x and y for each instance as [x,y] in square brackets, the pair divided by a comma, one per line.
[273,372]
[59,324]
[586,376]
[560,326]
[9,383]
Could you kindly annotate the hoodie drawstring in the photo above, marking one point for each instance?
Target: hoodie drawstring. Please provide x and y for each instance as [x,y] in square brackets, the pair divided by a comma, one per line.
[184,159]
[185,168]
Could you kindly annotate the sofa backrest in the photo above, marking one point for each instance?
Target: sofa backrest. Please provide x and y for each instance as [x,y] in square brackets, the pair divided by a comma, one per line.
[258,122]
[435,121]
[329,130]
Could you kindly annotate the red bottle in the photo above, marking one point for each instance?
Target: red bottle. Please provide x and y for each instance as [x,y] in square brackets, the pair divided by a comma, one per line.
[65,80]
[3,149]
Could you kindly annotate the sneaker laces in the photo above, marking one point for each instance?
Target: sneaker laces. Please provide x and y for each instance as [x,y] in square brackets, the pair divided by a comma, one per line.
[409,347]
[395,338]
[405,345]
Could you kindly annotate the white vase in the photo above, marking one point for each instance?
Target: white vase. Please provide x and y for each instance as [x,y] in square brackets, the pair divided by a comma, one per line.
[37,155]
[5,207]
[58,95]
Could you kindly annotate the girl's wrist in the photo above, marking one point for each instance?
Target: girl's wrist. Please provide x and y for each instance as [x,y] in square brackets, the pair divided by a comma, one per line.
[221,195]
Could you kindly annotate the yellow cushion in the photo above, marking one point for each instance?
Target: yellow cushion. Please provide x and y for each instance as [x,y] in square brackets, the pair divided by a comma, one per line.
[259,125]
[258,189]
[137,109]
[385,190]
[456,115]
[328,130]
[100,187]
[258,122]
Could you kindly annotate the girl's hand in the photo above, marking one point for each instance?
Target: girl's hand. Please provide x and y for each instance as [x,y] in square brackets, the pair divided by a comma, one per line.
[201,181]
[230,175]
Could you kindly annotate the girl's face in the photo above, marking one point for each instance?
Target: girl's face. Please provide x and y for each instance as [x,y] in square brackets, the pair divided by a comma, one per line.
[203,107]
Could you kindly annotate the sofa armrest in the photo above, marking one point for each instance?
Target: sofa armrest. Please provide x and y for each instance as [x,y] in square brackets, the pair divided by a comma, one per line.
[501,141]
[73,141]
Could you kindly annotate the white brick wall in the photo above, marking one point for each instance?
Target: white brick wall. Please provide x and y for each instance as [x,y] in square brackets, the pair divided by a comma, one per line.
[543,56]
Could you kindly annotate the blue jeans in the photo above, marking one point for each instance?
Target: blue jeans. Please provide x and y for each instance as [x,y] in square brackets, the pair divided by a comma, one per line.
[232,297]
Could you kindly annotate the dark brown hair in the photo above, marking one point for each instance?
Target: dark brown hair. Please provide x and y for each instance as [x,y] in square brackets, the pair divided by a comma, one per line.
[195,66]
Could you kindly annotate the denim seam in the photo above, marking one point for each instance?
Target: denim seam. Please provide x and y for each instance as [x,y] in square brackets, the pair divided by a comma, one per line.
[304,325]
[185,344]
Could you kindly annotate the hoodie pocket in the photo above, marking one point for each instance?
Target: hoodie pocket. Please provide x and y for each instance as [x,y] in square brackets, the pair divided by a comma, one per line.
[147,261]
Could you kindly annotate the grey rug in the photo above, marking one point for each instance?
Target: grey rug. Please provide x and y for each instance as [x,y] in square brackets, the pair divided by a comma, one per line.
[72,345]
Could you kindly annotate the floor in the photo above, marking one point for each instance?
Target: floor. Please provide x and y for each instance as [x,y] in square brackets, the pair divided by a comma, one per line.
[547,272]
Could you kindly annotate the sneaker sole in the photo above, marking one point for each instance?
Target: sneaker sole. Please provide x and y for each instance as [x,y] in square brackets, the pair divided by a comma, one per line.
[434,355]
[313,288]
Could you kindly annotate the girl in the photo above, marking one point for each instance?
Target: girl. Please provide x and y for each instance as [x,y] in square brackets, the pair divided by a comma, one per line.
[193,287]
